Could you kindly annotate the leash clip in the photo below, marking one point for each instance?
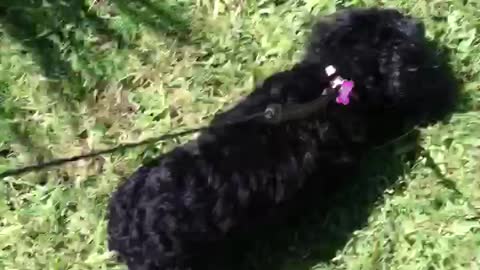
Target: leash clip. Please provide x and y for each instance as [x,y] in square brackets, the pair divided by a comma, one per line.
[273,113]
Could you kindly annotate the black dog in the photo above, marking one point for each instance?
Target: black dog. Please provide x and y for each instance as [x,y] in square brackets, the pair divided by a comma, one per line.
[233,178]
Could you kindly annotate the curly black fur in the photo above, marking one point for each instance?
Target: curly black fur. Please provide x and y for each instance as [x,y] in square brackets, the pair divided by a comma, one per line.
[234,178]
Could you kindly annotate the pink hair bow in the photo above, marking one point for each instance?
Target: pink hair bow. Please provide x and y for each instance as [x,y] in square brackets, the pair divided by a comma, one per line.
[346,86]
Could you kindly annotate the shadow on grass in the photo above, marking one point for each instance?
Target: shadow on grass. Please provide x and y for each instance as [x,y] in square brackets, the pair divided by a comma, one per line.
[168,19]
[74,47]
[59,34]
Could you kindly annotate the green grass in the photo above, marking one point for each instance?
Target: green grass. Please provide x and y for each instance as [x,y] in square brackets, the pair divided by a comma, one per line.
[82,75]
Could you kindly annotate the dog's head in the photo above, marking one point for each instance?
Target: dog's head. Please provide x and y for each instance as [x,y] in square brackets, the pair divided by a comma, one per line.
[389,59]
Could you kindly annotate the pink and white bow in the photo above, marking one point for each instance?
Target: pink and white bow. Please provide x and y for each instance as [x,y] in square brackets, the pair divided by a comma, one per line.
[346,86]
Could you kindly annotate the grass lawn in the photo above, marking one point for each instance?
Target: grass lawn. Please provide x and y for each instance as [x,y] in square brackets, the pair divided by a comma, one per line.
[81,75]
